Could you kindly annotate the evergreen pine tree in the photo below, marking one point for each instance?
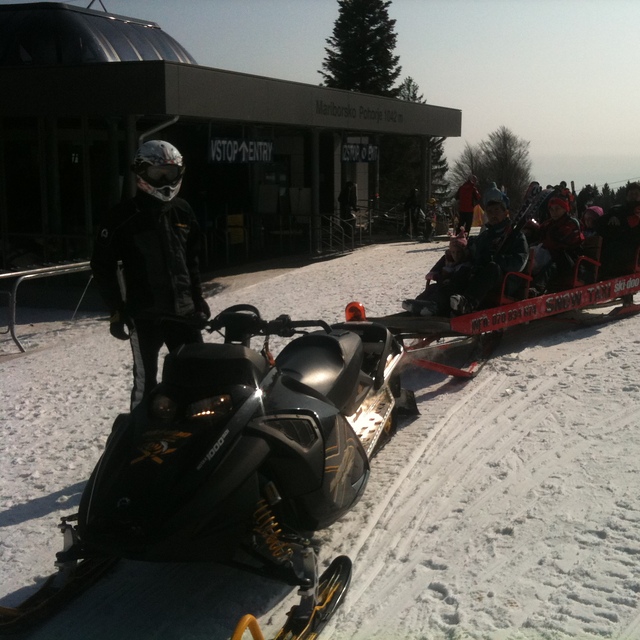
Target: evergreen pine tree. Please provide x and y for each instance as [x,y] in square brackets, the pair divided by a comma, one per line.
[587,196]
[439,188]
[439,167]
[360,52]
[409,91]
[606,197]
[401,158]
[621,194]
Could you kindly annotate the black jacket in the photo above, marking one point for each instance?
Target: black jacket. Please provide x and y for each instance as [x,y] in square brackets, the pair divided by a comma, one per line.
[497,243]
[621,241]
[158,244]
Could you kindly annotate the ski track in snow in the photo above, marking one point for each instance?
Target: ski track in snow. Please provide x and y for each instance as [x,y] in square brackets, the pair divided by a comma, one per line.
[508,509]
[485,473]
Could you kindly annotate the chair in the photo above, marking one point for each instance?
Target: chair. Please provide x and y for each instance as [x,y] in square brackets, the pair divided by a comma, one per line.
[515,284]
[585,270]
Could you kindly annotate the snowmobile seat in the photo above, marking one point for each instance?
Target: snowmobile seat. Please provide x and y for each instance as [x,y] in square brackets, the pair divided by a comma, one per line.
[206,365]
[376,340]
[328,363]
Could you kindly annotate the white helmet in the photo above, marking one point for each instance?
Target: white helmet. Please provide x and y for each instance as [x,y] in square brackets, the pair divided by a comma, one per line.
[159,169]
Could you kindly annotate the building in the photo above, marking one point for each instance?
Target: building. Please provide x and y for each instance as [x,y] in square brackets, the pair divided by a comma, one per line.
[265,158]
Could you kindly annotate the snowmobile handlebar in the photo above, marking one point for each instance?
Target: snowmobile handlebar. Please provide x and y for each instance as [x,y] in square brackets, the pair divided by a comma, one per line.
[285,327]
[245,320]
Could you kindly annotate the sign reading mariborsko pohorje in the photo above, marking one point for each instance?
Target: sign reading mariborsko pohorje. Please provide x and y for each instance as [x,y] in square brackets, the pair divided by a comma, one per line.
[358,112]
[361,112]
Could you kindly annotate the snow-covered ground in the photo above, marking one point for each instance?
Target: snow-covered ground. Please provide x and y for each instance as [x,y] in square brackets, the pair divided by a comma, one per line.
[509,509]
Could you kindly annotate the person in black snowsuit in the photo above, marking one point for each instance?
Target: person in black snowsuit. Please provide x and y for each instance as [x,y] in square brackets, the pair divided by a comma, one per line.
[496,251]
[620,231]
[413,213]
[156,237]
[348,201]
[453,267]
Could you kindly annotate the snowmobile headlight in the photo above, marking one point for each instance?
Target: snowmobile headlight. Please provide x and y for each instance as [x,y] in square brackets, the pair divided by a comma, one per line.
[163,408]
[215,407]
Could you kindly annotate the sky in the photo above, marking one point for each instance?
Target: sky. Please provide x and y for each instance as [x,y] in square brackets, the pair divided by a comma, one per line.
[559,74]
[507,510]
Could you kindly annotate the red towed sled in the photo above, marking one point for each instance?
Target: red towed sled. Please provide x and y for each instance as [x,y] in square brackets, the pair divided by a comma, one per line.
[429,341]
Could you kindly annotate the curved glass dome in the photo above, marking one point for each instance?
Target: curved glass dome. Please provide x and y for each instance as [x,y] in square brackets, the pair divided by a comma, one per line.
[50,33]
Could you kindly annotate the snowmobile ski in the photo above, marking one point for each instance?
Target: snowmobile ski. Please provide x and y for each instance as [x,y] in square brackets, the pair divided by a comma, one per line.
[440,357]
[58,590]
[307,625]
[332,587]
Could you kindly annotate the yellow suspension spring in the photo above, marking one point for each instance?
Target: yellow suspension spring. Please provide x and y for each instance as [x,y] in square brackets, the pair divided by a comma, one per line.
[268,528]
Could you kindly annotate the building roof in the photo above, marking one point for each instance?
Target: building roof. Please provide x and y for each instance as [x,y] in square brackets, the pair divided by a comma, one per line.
[53,33]
[46,48]
[190,91]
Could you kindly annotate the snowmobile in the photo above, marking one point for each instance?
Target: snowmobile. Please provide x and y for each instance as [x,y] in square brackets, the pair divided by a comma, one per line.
[238,457]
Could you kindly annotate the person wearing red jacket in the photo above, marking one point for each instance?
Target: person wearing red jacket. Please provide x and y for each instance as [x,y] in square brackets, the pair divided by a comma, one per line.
[556,244]
[468,197]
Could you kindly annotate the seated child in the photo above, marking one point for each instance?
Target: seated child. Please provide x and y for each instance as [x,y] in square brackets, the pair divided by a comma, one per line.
[589,222]
[434,300]
[497,250]
[556,246]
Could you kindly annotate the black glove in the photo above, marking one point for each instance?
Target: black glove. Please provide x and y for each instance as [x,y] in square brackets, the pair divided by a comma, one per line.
[201,307]
[120,325]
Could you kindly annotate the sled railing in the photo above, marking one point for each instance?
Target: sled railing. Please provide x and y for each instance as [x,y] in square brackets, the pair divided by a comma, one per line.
[590,259]
[512,278]
[546,305]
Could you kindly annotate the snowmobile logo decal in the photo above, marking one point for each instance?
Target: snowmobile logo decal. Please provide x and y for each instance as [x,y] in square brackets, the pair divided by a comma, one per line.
[156,449]
[340,480]
[213,450]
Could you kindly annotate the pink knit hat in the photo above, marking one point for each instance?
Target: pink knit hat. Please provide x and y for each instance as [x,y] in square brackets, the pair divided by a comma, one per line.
[596,211]
[459,241]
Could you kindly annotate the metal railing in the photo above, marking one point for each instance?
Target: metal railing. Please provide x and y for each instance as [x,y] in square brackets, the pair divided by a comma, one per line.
[32,274]
[24,250]
[337,237]
[386,218]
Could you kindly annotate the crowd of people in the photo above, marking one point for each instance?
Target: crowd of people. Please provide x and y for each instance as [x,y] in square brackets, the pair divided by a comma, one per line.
[546,243]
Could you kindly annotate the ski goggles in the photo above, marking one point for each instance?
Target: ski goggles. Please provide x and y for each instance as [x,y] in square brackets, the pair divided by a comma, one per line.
[162,175]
